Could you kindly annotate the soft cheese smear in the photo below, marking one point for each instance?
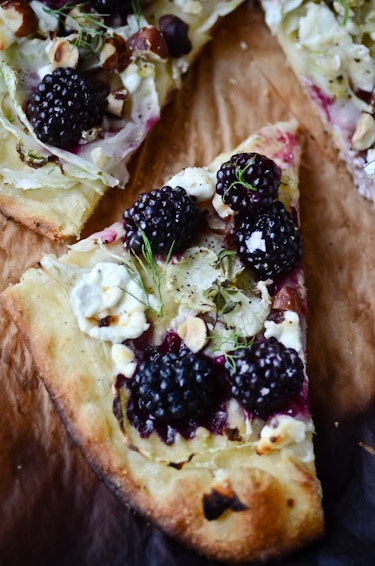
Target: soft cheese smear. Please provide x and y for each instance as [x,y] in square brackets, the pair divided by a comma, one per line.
[288,332]
[283,430]
[108,290]
[196,181]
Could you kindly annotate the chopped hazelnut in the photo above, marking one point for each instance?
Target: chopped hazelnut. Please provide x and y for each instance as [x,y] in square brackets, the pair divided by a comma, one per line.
[287,298]
[193,332]
[114,55]
[149,41]
[115,101]
[223,210]
[364,135]
[20,17]
[63,54]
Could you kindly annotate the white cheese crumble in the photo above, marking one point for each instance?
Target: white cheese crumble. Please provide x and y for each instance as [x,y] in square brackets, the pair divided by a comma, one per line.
[108,290]
[131,79]
[281,431]
[288,332]
[123,360]
[223,210]
[196,181]
[47,22]
[256,242]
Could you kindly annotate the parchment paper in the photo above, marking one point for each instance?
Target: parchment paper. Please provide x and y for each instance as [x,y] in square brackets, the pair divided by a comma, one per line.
[53,509]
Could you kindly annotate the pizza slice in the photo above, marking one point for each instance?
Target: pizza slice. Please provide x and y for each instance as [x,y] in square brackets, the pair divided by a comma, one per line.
[81,84]
[330,47]
[173,346]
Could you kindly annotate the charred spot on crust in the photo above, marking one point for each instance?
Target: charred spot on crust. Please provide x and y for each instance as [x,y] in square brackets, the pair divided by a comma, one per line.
[215,503]
[117,410]
[232,434]
[180,465]
[117,405]
[107,320]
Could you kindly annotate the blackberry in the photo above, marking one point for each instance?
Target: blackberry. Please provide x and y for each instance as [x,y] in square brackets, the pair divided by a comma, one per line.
[165,216]
[248,181]
[65,105]
[174,386]
[266,376]
[269,242]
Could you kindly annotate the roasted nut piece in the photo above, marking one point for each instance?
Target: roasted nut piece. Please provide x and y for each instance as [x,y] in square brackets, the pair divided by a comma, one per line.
[19,17]
[63,53]
[364,135]
[149,41]
[114,103]
[175,32]
[287,299]
[193,332]
[115,54]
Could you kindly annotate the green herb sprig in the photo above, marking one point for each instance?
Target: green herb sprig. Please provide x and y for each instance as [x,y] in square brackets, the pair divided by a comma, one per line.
[137,11]
[239,173]
[90,33]
[219,293]
[151,268]
[239,343]
[346,6]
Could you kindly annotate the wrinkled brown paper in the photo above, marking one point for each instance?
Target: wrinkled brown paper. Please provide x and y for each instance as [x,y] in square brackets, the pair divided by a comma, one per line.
[53,509]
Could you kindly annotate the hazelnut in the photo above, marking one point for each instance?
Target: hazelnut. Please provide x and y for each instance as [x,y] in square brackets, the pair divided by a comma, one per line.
[287,299]
[63,54]
[224,211]
[175,32]
[19,17]
[193,332]
[114,55]
[115,101]
[364,135]
[149,41]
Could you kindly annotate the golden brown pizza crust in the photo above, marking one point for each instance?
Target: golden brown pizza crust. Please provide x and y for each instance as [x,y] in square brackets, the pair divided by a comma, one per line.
[269,504]
[53,212]
[49,215]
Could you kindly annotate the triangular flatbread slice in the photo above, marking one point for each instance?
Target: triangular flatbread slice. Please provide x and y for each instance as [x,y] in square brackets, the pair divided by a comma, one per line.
[173,346]
[328,46]
[128,63]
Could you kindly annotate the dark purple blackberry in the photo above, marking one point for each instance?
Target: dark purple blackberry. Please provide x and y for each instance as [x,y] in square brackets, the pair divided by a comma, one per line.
[269,242]
[166,217]
[248,181]
[266,376]
[175,31]
[174,386]
[65,105]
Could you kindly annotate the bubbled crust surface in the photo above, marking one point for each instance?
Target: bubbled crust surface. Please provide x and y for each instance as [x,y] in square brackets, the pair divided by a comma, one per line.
[280,494]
